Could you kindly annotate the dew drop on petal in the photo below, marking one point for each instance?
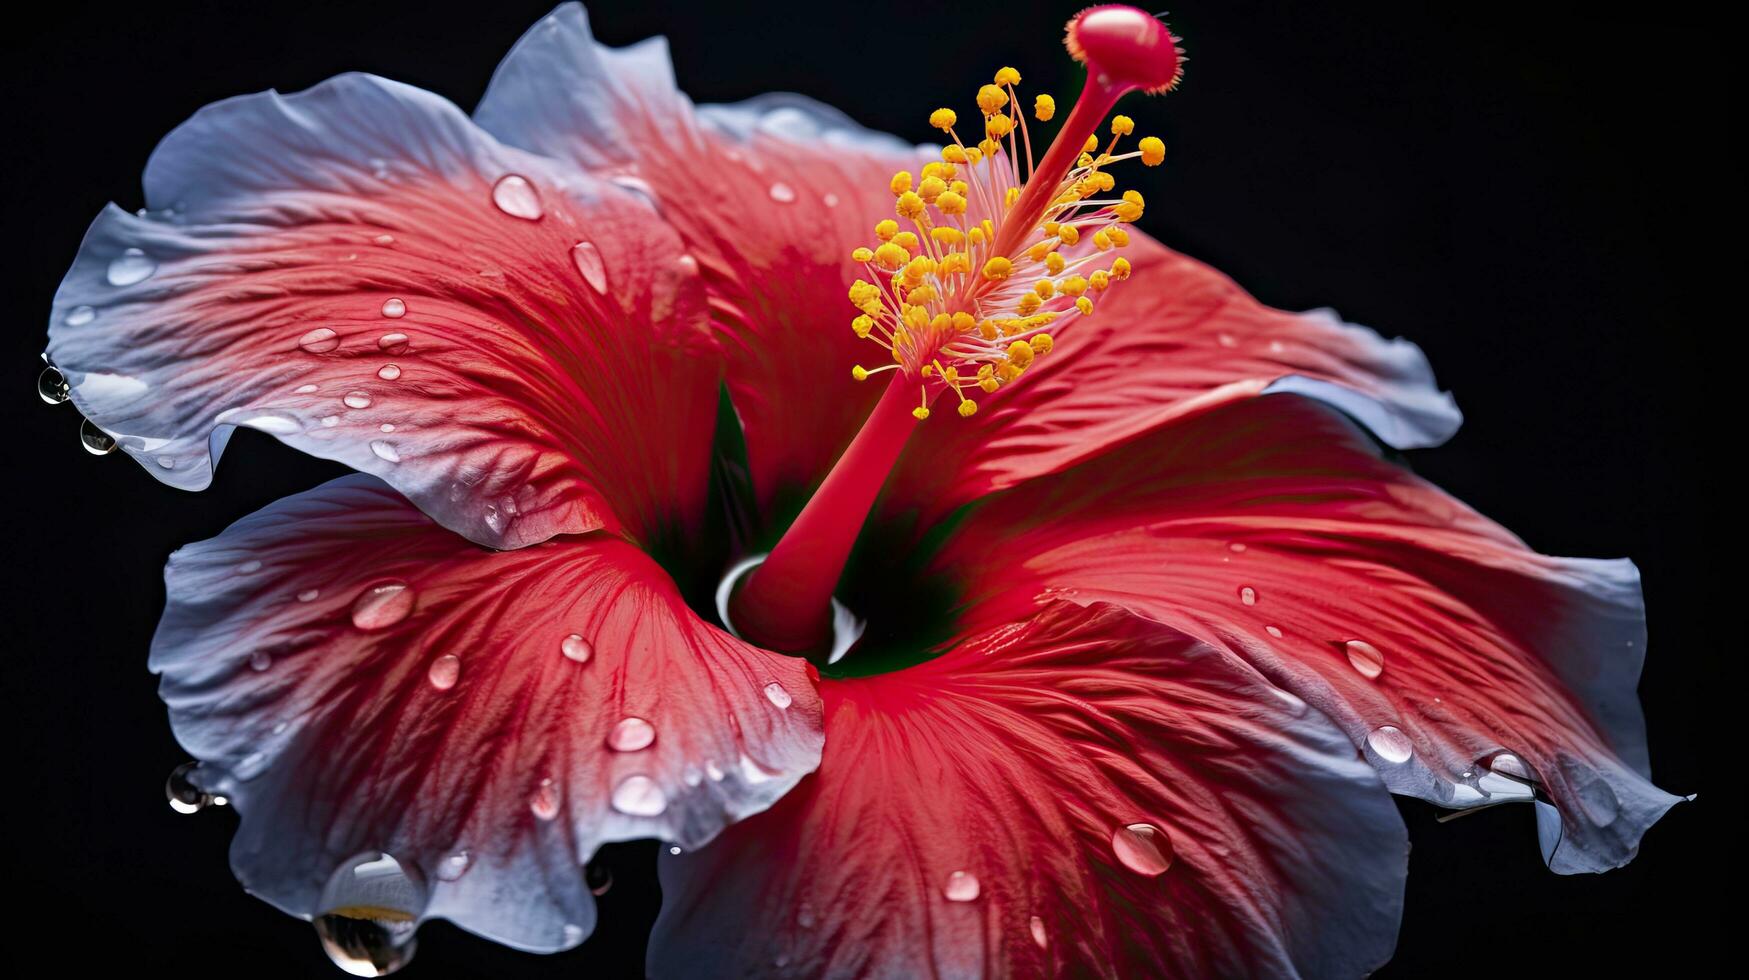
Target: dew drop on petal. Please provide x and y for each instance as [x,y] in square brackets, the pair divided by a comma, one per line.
[445,671]
[249,566]
[52,387]
[389,372]
[830,200]
[330,421]
[1365,658]
[184,796]
[598,877]
[384,239]
[305,389]
[260,660]
[79,316]
[453,865]
[1274,631]
[516,197]
[1039,938]
[96,441]
[309,595]
[1507,764]
[394,308]
[1248,596]
[319,341]
[1236,547]
[357,399]
[782,193]
[167,462]
[385,451]
[386,427]
[382,605]
[961,886]
[545,801]
[130,267]
[588,261]
[639,796]
[393,342]
[574,647]
[370,915]
[1143,848]
[775,693]
[1390,743]
[631,734]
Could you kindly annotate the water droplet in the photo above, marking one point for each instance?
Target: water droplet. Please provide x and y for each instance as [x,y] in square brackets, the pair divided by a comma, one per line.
[1039,938]
[453,866]
[392,342]
[394,308]
[804,916]
[830,200]
[250,566]
[382,605]
[1274,631]
[639,796]
[389,372]
[386,427]
[384,239]
[79,316]
[1227,340]
[1248,596]
[96,441]
[330,421]
[51,386]
[688,264]
[588,261]
[598,877]
[1390,743]
[674,850]
[167,462]
[319,341]
[631,734]
[309,595]
[385,451]
[370,918]
[1236,547]
[260,660]
[1143,848]
[130,267]
[1364,658]
[184,796]
[962,886]
[444,672]
[357,399]
[775,693]
[1507,764]
[576,648]
[545,801]
[516,197]
[305,389]
[782,193]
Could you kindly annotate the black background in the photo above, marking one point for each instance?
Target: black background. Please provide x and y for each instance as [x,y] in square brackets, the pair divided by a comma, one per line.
[1530,195]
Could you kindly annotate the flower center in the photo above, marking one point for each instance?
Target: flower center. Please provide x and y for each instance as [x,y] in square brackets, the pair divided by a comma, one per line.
[990,251]
[994,251]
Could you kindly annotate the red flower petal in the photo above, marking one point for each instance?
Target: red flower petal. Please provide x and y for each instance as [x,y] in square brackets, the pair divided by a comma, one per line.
[1432,635]
[360,272]
[972,817]
[355,678]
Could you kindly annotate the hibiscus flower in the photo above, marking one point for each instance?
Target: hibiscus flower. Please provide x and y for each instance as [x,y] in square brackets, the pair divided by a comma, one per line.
[1112,669]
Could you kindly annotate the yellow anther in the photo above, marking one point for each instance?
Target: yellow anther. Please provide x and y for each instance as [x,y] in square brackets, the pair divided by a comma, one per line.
[954,153]
[973,155]
[1050,228]
[862,325]
[1007,76]
[943,119]
[1074,286]
[988,384]
[939,169]
[1119,237]
[991,98]
[960,187]
[1007,372]
[901,182]
[942,323]
[1038,252]
[931,188]
[890,256]
[1045,288]
[1131,208]
[862,255]
[963,322]
[955,262]
[922,294]
[976,236]
[1122,125]
[968,408]
[1041,343]
[1121,268]
[862,293]
[1054,263]
[1100,281]
[998,268]
[1028,304]
[950,375]
[1044,107]
[1103,180]
[951,203]
[1101,240]
[907,241]
[1069,234]
[989,147]
[1153,150]
[1091,145]
[909,205]
[920,412]
[946,235]
[917,318]
[987,329]
[886,230]
[1085,305]
[1020,354]
[1009,198]
[998,126]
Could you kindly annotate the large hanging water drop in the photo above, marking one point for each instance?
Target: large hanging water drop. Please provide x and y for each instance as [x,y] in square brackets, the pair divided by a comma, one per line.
[52,387]
[96,441]
[370,915]
[130,267]
[382,605]
[516,197]
[184,796]
[1365,658]
[587,258]
[1143,848]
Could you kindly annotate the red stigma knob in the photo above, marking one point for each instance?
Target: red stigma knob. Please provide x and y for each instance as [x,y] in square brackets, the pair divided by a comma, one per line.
[1125,48]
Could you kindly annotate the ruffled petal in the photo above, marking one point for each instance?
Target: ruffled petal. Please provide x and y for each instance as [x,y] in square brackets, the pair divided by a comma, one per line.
[1083,794]
[359,271]
[357,679]
[770,196]
[1176,339]
[1469,669]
